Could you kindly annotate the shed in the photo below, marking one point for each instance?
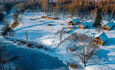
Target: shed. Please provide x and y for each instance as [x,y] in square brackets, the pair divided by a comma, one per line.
[14,24]
[46,17]
[84,25]
[70,28]
[100,39]
[74,21]
[108,26]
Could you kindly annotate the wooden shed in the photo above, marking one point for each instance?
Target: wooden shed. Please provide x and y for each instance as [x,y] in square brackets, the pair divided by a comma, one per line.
[100,39]
[70,28]
[74,22]
[83,25]
[14,24]
[46,17]
[108,26]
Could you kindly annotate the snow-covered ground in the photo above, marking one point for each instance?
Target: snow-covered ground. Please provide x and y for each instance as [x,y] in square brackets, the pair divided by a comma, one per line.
[39,32]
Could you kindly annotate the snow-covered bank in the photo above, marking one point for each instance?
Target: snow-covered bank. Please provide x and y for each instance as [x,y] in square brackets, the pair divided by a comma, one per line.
[38,30]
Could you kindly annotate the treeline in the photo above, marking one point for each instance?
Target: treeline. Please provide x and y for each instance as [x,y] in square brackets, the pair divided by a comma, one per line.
[81,8]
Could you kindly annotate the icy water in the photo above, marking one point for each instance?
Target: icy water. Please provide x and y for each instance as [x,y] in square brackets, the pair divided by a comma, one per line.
[35,60]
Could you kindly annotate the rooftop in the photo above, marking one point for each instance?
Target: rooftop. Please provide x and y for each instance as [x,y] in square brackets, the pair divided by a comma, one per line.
[75,20]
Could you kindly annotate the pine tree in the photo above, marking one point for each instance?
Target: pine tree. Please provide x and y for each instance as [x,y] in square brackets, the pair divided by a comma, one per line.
[98,19]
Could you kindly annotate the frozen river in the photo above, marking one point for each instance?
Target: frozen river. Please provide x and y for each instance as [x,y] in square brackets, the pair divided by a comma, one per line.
[35,60]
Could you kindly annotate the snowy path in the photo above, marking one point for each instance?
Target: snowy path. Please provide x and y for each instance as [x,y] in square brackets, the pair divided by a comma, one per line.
[34,25]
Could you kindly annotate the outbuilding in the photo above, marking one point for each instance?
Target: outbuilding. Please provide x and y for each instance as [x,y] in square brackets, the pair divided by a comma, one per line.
[74,22]
[46,17]
[108,26]
[14,24]
[100,39]
[84,25]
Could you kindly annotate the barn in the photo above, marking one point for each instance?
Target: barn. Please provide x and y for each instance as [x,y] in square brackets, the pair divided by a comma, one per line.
[74,21]
[108,26]
[83,25]
[100,39]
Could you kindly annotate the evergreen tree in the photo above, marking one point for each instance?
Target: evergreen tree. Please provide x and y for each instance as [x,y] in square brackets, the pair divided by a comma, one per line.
[1,16]
[98,19]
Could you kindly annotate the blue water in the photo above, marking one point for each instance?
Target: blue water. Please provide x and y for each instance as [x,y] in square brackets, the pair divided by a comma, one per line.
[35,60]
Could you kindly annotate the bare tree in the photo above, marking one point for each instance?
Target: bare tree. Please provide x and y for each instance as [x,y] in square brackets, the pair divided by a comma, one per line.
[61,35]
[86,51]
[7,31]
[26,34]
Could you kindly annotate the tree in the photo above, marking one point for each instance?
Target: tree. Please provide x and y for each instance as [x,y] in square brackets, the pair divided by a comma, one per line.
[98,19]
[45,5]
[16,16]
[56,10]
[7,31]
[1,16]
[86,51]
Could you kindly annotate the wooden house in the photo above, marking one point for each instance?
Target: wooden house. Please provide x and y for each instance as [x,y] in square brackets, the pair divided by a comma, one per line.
[108,26]
[83,25]
[74,22]
[70,28]
[100,39]
[14,24]
[46,17]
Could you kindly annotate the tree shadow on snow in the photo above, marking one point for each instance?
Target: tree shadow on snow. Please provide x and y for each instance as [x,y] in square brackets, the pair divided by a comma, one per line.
[101,57]
[104,57]
[34,25]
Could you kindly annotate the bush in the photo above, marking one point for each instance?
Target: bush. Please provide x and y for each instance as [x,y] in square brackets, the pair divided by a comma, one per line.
[7,31]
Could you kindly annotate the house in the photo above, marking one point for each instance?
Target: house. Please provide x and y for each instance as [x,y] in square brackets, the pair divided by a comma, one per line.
[108,26]
[70,28]
[46,17]
[83,25]
[74,22]
[100,39]
[14,24]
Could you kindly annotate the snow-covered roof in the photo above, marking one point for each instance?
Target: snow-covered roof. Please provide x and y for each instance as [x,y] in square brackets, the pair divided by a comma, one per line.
[12,11]
[75,20]
[110,24]
[85,23]
[103,37]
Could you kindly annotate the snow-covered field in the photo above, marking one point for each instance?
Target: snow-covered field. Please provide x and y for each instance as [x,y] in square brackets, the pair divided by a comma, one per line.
[38,31]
